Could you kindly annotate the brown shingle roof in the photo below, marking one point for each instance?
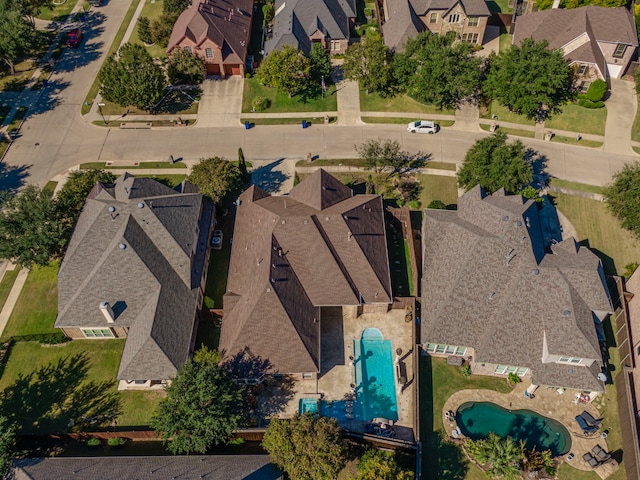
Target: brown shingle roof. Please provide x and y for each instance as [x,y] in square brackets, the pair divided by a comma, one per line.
[486,271]
[227,23]
[289,258]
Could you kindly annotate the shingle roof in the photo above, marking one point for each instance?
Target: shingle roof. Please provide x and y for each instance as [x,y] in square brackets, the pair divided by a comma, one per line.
[132,247]
[227,23]
[402,23]
[559,27]
[290,257]
[185,467]
[471,7]
[486,271]
[296,20]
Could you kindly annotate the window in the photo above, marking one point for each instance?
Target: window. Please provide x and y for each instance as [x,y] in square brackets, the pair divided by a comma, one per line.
[208,53]
[507,369]
[619,51]
[582,70]
[522,371]
[440,348]
[470,37]
[573,360]
[307,376]
[188,49]
[584,86]
[473,21]
[335,45]
[433,18]
[97,332]
[500,369]
[445,349]
[454,18]
[450,350]
[460,350]
[511,370]
[431,347]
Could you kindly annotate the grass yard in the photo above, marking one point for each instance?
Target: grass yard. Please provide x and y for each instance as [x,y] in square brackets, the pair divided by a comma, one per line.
[21,112]
[635,129]
[575,118]
[373,102]
[601,231]
[4,111]
[505,41]
[287,121]
[37,306]
[402,121]
[7,282]
[16,83]
[573,141]
[499,6]
[438,381]
[503,114]
[58,12]
[152,11]
[281,103]
[174,103]
[581,187]
[147,165]
[510,131]
[436,187]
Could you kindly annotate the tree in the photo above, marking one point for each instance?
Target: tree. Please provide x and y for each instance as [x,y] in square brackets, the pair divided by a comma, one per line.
[268,13]
[18,37]
[369,63]
[387,156]
[320,62]
[305,447]
[132,78]
[7,442]
[162,27]
[287,70]
[622,196]
[144,31]
[493,164]
[378,465]
[530,79]
[185,67]
[501,456]
[437,69]
[202,407]
[32,227]
[216,177]
[73,193]
[175,7]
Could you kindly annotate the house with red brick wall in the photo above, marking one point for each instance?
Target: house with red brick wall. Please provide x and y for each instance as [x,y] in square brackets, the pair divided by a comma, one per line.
[217,31]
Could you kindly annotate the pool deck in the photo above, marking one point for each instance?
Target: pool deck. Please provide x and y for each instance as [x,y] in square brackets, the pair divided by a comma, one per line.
[547,402]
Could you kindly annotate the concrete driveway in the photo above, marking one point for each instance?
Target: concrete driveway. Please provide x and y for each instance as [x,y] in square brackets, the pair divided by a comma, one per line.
[621,110]
[221,103]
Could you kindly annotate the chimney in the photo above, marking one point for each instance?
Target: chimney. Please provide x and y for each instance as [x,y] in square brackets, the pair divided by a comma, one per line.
[107,311]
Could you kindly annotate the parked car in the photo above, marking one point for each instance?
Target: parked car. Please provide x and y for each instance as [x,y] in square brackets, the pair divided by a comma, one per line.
[216,240]
[74,38]
[423,126]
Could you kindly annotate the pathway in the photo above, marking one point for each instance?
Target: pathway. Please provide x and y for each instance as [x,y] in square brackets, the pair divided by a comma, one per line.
[467,118]
[621,111]
[12,299]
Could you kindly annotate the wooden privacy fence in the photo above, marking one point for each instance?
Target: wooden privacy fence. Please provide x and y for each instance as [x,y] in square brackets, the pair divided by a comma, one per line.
[402,217]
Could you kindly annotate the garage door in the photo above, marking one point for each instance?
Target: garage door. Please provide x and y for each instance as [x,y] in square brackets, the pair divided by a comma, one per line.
[235,70]
[213,69]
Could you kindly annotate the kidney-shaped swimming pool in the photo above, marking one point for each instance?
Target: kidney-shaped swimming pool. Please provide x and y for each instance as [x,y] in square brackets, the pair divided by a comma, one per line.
[477,419]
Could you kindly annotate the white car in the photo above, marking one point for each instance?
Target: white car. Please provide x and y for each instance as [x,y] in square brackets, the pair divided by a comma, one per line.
[423,126]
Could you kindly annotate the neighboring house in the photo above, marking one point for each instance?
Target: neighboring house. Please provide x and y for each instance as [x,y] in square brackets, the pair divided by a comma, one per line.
[294,255]
[211,467]
[403,19]
[218,32]
[632,307]
[136,269]
[495,294]
[301,23]
[599,42]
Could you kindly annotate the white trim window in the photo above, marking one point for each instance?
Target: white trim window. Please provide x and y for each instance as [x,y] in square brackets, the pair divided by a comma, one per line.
[454,18]
[433,18]
[97,332]
[208,53]
[507,369]
[572,360]
[445,349]
[335,45]
[188,48]
[619,51]
[473,21]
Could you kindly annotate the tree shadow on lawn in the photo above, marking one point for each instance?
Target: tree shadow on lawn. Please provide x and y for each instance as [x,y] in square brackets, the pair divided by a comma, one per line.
[12,178]
[49,398]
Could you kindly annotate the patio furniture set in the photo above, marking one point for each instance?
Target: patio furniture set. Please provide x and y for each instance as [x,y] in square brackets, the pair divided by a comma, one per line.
[587,423]
[596,457]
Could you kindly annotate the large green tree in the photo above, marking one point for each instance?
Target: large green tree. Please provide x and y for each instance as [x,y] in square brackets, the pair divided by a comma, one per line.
[160,28]
[438,69]
[216,177]
[202,407]
[185,67]
[623,196]
[18,36]
[493,164]
[132,78]
[502,457]
[73,193]
[529,79]
[175,7]
[305,447]
[378,465]
[369,62]
[387,156]
[7,442]
[286,70]
[33,229]
[320,62]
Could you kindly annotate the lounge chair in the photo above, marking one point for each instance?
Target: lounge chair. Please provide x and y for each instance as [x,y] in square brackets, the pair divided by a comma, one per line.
[591,460]
[590,420]
[600,453]
[586,428]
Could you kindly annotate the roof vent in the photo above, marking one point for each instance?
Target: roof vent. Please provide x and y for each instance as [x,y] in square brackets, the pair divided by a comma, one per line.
[283,222]
[306,222]
[122,246]
[326,218]
[493,294]
[535,271]
[141,205]
[112,209]
[505,218]
[570,371]
[517,223]
[566,313]
[527,221]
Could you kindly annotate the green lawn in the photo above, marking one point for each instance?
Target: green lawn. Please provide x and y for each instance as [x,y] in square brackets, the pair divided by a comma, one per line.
[287,121]
[58,12]
[505,115]
[281,103]
[174,103]
[147,165]
[151,10]
[438,381]
[5,286]
[359,162]
[597,227]
[574,141]
[15,83]
[499,6]
[635,130]
[510,131]
[436,187]
[505,42]
[37,306]
[575,118]
[402,121]
[582,187]
[21,112]
[400,103]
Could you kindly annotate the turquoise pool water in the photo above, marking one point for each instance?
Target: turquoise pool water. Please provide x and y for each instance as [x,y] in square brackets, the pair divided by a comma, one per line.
[477,419]
[375,378]
[308,405]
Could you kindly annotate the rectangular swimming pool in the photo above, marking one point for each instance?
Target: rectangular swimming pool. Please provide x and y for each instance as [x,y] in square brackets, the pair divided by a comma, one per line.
[375,378]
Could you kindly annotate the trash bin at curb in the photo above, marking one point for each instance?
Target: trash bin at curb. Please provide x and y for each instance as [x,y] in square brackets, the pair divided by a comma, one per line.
[247,125]
[304,124]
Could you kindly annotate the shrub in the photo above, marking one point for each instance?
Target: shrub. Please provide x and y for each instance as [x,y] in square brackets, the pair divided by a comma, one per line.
[93,442]
[54,338]
[583,102]
[161,28]
[437,204]
[636,79]
[414,204]
[116,441]
[144,30]
[596,91]
[260,103]
[514,378]
[466,371]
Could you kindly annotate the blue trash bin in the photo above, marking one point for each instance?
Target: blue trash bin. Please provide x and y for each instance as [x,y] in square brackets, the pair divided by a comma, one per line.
[247,125]
[304,124]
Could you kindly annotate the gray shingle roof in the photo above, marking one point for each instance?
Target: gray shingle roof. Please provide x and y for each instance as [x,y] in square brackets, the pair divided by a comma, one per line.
[289,258]
[138,258]
[191,467]
[489,284]
[296,20]
[402,23]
